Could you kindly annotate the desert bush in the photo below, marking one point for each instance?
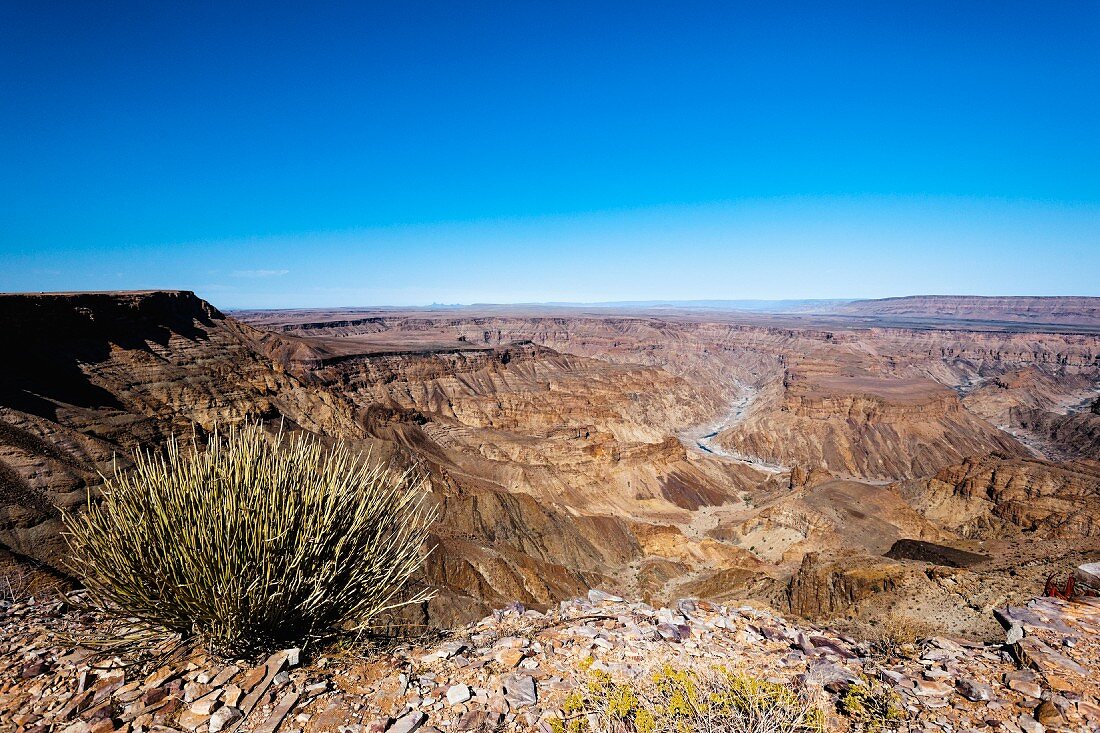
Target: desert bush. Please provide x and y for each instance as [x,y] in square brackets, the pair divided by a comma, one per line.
[872,707]
[896,636]
[253,540]
[673,700]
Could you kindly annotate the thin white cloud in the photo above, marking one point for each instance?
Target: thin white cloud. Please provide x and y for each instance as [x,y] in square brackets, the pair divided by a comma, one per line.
[259,273]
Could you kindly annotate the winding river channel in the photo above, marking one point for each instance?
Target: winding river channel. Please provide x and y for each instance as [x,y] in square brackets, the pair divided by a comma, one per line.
[702,437]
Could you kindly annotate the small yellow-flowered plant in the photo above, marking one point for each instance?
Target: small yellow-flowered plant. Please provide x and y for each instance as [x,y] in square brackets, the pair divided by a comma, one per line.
[872,706]
[675,700]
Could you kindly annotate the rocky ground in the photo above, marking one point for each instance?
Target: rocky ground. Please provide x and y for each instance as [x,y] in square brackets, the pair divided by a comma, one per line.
[513,670]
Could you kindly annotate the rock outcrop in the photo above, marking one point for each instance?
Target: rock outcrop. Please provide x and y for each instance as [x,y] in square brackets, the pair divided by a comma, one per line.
[543,462]
[94,376]
[823,588]
[864,426]
[1072,435]
[1000,496]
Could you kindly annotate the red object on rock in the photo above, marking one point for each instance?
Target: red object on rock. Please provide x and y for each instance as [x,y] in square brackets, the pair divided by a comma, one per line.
[1069,591]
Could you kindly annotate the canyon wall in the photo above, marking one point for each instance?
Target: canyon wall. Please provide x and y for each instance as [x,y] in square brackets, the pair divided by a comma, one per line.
[660,456]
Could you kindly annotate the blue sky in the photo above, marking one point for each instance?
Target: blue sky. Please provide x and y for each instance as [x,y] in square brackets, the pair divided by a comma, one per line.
[291,154]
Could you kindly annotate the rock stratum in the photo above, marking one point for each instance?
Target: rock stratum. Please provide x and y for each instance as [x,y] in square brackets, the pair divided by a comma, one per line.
[1042,311]
[728,456]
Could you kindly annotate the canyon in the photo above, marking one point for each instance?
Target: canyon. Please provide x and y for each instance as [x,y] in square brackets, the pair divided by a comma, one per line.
[777,458]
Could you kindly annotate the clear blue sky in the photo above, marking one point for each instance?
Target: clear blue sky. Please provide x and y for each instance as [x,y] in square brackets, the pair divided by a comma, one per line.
[297,154]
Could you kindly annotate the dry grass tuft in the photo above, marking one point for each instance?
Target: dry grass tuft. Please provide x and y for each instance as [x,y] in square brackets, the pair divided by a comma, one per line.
[897,636]
[253,541]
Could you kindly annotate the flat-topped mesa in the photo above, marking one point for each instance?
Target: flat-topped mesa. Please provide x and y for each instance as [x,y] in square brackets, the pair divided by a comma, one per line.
[1068,311]
[124,314]
[868,398]
[863,425]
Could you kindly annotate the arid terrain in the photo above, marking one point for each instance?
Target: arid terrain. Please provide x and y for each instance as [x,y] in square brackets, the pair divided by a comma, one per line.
[885,465]
[724,455]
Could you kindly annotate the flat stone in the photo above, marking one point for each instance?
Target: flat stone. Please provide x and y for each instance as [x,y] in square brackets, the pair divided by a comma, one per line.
[408,723]
[192,721]
[1034,653]
[1026,687]
[472,721]
[224,716]
[252,678]
[1089,573]
[275,664]
[1029,724]
[33,669]
[80,726]
[821,642]
[599,596]
[286,704]
[152,697]
[519,690]
[1090,711]
[509,658]
[673,632]
[315,689]
[225,675]
[668,616]
[931,688]
[451,648]
[974,690]
[231,695]
[458,694]
[206,704]
[194,690]
[159,677]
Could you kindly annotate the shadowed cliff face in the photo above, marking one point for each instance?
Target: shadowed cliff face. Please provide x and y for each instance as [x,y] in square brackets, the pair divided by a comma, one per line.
[94,376]
[659,456]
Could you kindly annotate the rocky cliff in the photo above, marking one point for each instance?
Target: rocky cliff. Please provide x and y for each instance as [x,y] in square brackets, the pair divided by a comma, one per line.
[90,377]
[1001,496]
[543,463]
[863,425]
[1073,435]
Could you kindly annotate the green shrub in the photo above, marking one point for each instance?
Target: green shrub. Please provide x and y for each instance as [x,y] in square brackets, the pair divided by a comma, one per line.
[253,541]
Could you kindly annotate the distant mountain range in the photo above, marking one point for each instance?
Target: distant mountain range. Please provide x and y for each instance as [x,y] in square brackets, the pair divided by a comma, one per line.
[1039,310]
